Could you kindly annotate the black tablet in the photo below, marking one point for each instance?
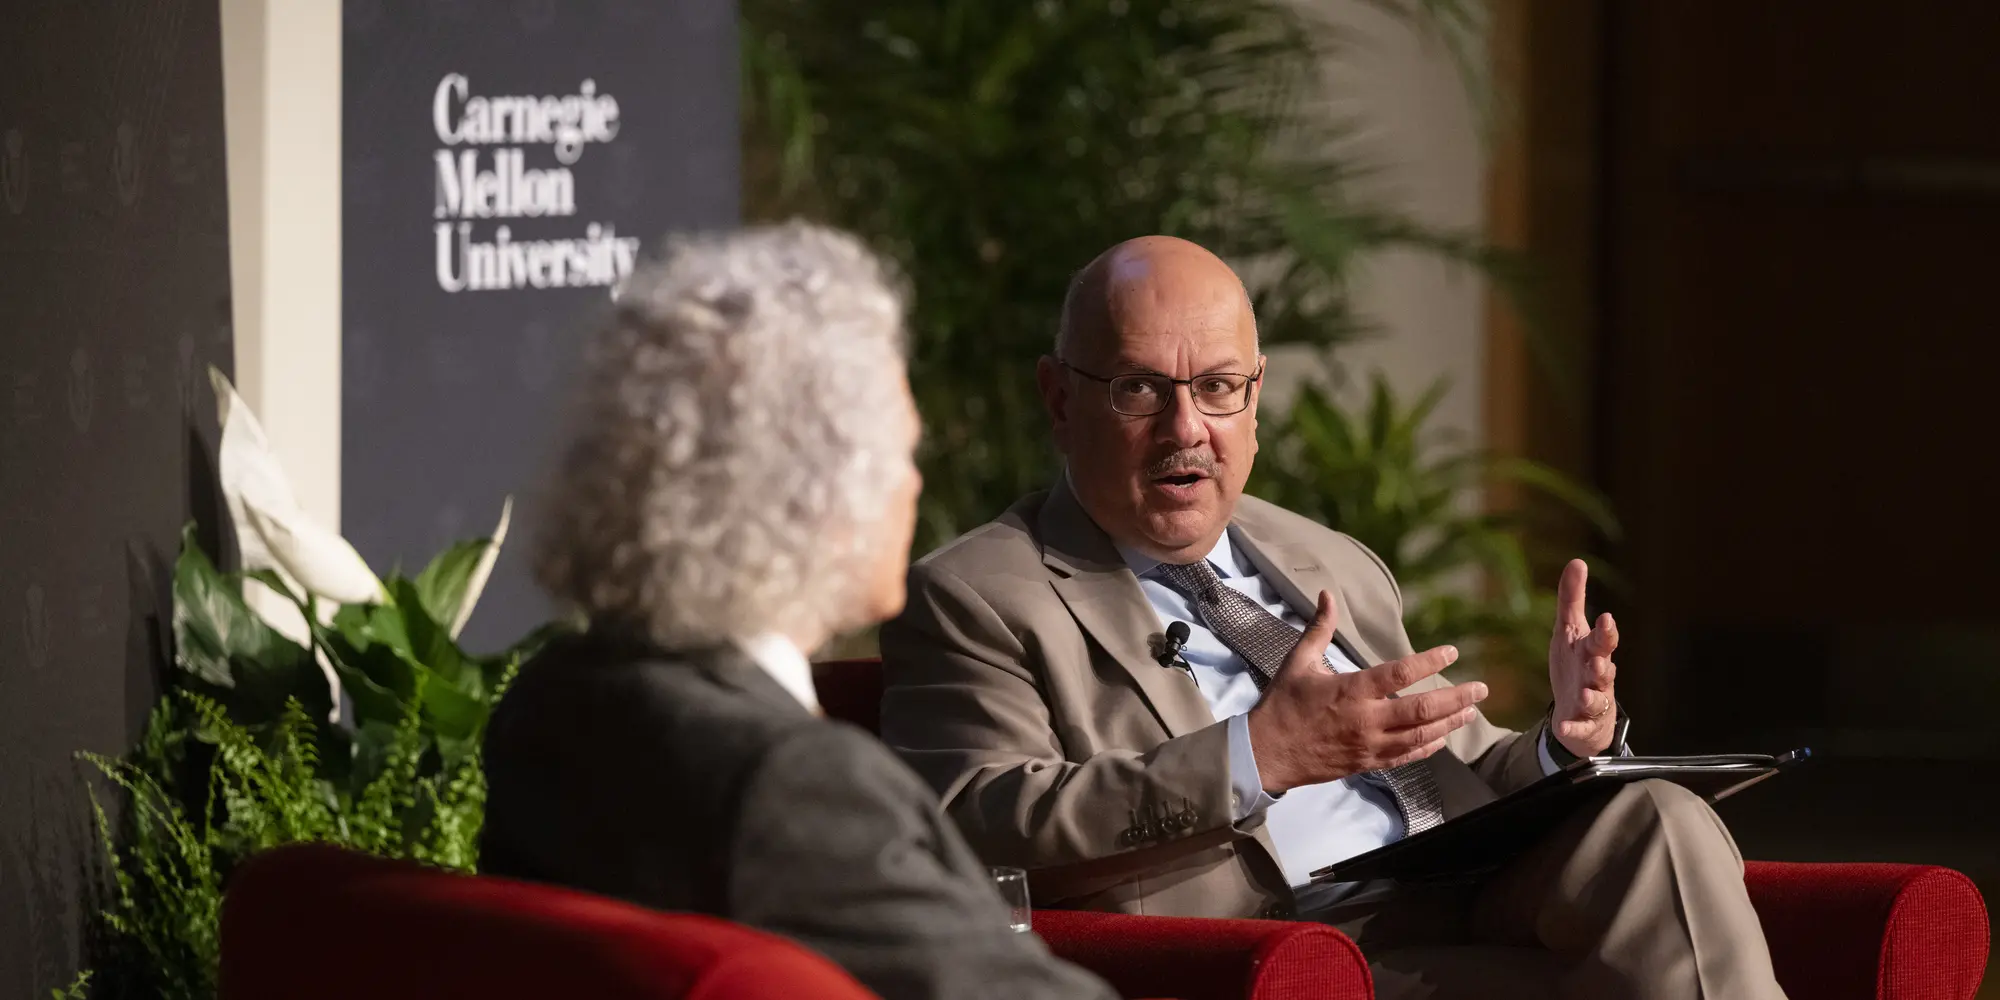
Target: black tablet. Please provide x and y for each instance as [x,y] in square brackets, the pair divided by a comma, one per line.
[1476,843]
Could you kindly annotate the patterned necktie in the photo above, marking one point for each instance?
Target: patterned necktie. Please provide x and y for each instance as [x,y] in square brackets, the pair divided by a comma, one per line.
[1264,640]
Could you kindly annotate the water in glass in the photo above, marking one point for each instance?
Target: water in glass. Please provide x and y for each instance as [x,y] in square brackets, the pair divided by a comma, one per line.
[1013,886]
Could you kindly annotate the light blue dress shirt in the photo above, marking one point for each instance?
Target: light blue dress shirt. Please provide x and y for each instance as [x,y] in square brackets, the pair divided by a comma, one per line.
[1312,826]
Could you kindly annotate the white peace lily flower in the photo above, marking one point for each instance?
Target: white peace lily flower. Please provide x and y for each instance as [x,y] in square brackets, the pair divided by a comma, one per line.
[320,560]
[484,568]
[272,531]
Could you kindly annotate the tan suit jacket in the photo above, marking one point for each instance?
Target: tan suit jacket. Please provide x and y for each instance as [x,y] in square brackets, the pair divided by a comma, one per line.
[1022,684]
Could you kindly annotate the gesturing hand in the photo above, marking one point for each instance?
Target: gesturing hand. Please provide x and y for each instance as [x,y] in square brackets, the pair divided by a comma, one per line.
[1580,669]
[1315,725]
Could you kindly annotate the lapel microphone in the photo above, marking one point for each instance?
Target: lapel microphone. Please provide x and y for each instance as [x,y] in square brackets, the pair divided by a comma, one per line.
[1170,649]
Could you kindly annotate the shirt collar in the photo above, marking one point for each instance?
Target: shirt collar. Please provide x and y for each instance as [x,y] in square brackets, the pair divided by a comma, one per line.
[786,665]
[1222,558]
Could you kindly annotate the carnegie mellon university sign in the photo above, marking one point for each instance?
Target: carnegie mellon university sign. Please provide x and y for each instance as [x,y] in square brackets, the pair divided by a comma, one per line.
[483,173]
[505,164]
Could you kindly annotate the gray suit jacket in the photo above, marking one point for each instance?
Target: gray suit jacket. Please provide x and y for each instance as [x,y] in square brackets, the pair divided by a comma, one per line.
[694,782]
[1021,684]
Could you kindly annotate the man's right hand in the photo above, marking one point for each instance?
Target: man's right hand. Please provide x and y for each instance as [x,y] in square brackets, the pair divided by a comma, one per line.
[1314,725]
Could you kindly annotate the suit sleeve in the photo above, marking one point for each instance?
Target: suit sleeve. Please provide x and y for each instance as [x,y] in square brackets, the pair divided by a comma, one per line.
[839,847]
[964,707]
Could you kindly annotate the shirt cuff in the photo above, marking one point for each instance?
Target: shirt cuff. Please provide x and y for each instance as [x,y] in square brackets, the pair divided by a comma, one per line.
[1247,796]
[1549,749]
[1542,751]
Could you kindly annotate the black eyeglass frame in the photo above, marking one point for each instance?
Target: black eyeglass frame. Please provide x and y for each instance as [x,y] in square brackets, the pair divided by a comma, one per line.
[1111,383]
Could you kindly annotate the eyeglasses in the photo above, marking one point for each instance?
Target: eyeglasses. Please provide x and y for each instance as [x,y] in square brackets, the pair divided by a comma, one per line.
[1218,394]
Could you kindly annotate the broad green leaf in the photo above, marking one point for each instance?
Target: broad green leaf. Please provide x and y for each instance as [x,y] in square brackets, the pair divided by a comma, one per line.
[386,625]
[206,615]
[430,641]
[352,621]
[225,646]
[440,588]
[381,683]
[450,712]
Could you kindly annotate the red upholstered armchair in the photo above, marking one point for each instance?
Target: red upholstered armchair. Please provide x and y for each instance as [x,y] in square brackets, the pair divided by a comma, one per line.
[313,922]
[1836,931]
[316,923]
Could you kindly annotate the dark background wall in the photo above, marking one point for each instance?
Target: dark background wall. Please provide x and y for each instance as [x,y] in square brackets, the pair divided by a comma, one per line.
[1798,361]
[1772,226]
[451,397]
[114,299]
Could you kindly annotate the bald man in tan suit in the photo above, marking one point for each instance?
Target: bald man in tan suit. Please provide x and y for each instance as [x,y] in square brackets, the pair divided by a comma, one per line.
[1025,683]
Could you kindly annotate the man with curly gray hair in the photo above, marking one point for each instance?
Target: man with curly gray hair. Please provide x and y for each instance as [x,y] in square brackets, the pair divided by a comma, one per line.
[739,488]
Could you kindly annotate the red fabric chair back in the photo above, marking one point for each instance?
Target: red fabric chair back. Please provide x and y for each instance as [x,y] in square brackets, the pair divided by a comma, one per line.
[313,922]
[1907,931]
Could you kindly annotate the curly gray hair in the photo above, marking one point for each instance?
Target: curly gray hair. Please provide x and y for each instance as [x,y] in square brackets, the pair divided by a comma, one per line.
[735,440]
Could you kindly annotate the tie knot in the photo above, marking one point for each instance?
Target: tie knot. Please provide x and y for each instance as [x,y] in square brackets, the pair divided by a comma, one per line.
[1196,579]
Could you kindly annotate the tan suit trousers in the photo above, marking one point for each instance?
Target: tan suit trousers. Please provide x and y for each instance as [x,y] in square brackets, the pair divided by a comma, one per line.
[1639,897]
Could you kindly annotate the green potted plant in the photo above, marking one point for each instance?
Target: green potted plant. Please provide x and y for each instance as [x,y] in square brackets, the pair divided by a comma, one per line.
[308,701]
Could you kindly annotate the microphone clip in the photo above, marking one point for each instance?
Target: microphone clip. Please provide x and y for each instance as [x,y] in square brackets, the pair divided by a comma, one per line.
[1168,650]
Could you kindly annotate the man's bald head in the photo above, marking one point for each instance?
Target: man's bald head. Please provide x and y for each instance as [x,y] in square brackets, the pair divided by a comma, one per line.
[1141,273]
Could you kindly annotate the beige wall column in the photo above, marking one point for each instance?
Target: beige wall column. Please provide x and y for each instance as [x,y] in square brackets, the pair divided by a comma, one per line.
[281,84]
[1425,135]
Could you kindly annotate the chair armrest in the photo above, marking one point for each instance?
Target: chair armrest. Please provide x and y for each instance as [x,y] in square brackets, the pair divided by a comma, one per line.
[1871,931]
[1191,958]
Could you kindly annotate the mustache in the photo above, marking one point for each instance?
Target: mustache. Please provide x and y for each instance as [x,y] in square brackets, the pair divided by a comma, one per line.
[1191,460]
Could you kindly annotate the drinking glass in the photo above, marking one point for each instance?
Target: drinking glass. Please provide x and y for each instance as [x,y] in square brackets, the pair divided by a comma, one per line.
[1013,886]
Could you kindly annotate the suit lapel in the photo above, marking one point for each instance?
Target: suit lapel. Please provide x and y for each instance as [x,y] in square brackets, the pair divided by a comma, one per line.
[1299,577]
[1104,596]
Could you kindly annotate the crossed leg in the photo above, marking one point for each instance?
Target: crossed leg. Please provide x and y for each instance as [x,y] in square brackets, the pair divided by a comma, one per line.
[1639,898]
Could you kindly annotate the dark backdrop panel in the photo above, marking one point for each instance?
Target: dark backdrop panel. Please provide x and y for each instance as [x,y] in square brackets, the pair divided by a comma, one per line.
[452,392]
[114,284]
[1796,418]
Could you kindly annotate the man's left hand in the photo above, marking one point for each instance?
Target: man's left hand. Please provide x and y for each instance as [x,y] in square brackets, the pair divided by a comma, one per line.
[1580,670]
